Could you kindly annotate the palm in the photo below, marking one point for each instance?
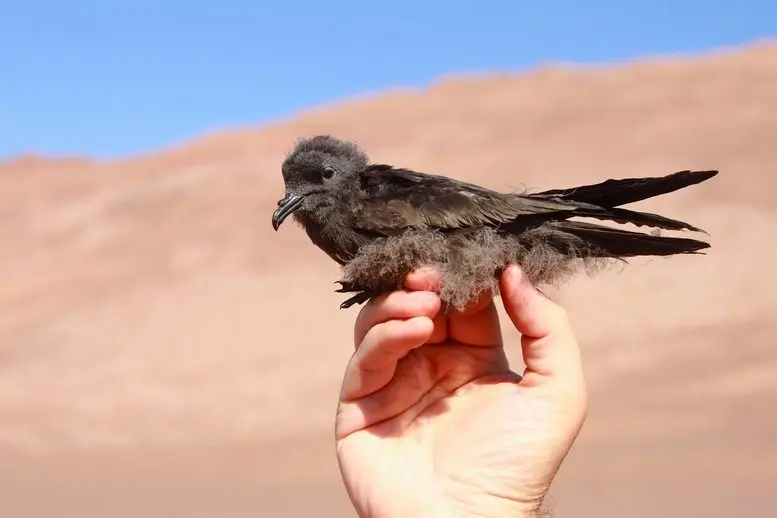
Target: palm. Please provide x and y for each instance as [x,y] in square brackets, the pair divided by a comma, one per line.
[449,408]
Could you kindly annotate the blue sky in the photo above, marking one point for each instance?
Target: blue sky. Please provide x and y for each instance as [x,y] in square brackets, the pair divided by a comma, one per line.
[109,78]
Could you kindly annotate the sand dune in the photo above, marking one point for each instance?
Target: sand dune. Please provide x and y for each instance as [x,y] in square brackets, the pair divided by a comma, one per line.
[150,357]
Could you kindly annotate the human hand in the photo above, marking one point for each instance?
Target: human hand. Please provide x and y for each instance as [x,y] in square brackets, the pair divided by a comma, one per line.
[432,422]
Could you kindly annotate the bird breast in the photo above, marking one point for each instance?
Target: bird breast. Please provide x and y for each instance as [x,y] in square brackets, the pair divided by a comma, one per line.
[333,234]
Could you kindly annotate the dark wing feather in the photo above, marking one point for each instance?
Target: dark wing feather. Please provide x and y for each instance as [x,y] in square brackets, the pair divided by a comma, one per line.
[602,199]
[639,219]
[394,199]
[613,193]
[614,242]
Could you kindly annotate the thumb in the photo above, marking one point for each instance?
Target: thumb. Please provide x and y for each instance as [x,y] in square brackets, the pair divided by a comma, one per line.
[550,349]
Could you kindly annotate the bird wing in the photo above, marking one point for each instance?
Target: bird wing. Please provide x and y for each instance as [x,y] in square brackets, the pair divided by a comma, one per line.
[394,199]
[614,193]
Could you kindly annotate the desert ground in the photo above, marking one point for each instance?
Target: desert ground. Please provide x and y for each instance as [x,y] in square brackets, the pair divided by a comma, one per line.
[151,359]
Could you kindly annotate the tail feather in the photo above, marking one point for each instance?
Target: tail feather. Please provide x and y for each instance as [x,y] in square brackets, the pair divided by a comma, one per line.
[614,193]
[637,218]
[601,241]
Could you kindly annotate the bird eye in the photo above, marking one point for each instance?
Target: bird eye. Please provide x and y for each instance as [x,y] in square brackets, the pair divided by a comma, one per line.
[328,172]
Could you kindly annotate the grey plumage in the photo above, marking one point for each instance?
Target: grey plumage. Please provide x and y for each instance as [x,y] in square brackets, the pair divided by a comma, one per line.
[378,222]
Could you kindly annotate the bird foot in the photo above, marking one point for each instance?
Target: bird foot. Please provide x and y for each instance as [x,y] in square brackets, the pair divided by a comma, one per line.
[362,295]
[360,298]
[346,287]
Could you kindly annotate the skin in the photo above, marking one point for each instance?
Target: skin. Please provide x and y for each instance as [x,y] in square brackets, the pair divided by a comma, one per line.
[431,420]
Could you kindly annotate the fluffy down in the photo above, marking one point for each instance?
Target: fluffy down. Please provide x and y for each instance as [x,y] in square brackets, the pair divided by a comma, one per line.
[470,263]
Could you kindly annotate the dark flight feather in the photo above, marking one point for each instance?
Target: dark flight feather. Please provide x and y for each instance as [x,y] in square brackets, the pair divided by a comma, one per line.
[380,221]
[614,193]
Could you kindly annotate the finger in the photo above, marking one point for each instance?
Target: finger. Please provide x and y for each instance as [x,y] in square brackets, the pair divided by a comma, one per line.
[548,342]
[423,279]
[440,331]
[374,362]
[395,305]
[532,313]
[477,324]
[428,279]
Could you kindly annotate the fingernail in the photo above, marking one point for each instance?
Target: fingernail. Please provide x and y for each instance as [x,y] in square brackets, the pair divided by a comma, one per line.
[424,270]
[514,272]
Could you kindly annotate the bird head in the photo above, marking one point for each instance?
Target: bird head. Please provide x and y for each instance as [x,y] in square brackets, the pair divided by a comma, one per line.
[316,168]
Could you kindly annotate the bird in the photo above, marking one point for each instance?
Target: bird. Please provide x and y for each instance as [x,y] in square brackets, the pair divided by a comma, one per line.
[379,221]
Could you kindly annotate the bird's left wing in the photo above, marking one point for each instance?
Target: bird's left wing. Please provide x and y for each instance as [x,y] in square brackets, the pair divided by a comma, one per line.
[392,200]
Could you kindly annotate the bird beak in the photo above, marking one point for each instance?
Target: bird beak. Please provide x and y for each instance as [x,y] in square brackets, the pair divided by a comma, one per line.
[286,205]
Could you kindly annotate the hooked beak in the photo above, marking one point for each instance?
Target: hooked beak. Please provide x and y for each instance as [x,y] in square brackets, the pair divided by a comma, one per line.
[286,205]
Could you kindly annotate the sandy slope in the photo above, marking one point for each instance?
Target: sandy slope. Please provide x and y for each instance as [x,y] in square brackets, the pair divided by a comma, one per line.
[149,352]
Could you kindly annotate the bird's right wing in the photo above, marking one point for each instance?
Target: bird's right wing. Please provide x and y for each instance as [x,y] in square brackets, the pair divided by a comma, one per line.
[393,200]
